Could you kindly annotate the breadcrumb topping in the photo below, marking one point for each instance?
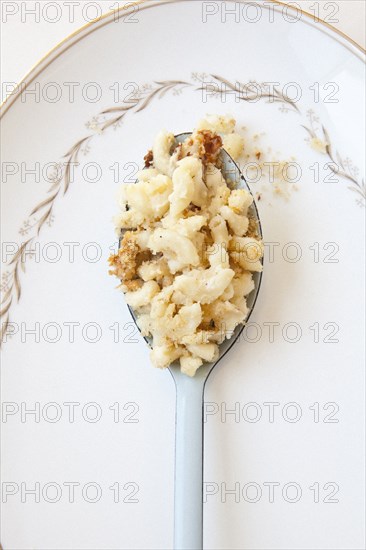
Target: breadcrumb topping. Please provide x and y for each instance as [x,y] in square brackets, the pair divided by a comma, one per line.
[125,262]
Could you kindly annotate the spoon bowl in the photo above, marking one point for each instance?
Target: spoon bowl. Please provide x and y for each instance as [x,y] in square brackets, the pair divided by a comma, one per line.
[235,180]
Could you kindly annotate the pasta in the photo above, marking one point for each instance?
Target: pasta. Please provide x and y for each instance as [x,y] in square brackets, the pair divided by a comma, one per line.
[188,248]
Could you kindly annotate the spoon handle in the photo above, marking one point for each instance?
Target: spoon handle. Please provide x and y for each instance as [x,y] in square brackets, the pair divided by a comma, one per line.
[188,520]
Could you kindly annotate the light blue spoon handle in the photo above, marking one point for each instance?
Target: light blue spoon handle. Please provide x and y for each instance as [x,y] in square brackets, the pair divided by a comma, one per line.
[188,514]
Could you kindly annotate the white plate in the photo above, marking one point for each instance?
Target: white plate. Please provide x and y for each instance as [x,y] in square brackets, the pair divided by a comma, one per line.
[169,46]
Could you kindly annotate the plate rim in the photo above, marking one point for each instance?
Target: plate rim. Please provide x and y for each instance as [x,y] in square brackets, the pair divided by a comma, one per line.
[79,33]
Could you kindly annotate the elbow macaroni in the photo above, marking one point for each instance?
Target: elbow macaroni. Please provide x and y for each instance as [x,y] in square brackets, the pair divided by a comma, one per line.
[187,259]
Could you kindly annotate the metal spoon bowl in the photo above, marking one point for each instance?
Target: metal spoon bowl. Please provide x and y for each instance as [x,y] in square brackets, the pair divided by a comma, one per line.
[188,503]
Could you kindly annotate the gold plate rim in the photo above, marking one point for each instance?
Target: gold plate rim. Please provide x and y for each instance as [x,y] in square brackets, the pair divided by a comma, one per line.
[23,84]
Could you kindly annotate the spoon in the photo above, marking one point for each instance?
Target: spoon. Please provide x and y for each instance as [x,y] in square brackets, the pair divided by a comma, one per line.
[188,499]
